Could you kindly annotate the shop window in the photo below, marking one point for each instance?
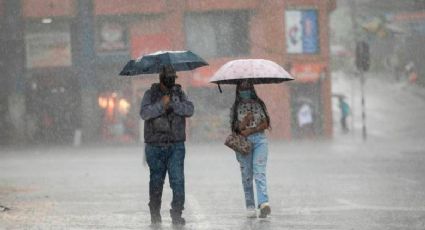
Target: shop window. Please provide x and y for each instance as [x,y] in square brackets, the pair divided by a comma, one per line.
[218,34]
[48,44]
[302,31]
[112,40]
[118,124]
[111,36]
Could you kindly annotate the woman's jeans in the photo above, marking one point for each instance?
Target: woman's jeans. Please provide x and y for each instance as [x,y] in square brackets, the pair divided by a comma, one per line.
[253,166]
[163,159]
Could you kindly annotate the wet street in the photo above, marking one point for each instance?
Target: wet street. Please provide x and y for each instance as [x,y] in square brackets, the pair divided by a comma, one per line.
[343,183]
[325,185]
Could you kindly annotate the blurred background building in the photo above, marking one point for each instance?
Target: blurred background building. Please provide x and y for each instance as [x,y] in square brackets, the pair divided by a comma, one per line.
[60,61]
[394,29]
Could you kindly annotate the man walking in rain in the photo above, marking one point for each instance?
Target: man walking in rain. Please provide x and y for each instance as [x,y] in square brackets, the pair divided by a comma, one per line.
[164,109]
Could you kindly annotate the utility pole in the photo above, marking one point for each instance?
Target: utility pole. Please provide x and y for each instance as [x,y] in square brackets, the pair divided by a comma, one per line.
[362,69]
[12,71]
[362,80]
[363,64]
[85,64]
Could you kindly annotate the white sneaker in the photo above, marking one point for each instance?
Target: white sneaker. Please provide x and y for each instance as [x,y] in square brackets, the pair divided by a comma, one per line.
[265,210]
[251,213]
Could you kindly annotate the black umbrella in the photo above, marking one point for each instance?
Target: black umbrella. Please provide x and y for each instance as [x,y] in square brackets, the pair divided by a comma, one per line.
[154,62]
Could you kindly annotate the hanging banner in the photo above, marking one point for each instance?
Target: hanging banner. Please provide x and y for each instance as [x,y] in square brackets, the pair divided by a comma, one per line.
[302,33]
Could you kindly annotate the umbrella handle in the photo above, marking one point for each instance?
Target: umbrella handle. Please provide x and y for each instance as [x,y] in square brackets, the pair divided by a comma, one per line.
[219,88]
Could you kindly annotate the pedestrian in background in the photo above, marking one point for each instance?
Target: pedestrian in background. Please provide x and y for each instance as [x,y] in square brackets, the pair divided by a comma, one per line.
[164,109]
[345,112]
[249,117]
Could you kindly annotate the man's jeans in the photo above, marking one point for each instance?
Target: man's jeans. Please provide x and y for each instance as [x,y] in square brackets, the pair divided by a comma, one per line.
[253,166]
[163,159]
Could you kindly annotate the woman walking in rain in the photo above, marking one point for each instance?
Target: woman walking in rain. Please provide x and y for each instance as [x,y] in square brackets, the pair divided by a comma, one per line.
[249,117]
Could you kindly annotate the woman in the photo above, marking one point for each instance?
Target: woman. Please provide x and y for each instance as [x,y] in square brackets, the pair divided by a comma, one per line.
[249,118]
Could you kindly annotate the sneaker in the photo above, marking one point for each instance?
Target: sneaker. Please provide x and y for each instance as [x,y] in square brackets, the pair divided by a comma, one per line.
[265,210]
[251,213]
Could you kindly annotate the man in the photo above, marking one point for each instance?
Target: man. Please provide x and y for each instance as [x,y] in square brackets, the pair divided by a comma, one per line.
[164,109]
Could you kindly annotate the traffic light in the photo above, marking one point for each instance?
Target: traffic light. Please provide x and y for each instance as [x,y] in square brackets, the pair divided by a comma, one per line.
[362,56]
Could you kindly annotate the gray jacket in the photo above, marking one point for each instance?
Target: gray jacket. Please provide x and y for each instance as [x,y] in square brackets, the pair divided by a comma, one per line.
[164,127]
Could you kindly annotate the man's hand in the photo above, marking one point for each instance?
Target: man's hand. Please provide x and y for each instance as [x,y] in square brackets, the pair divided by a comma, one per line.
[165,101]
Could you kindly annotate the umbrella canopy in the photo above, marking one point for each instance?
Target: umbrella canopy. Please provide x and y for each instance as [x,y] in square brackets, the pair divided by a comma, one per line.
[257,71]
[153,63]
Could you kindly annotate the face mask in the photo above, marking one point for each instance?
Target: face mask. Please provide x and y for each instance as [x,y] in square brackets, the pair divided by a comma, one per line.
[168,81]
[245,94]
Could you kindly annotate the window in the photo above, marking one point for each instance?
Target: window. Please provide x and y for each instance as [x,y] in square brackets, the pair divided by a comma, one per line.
[111,36]
[48,45]
[218,34]
[302,33]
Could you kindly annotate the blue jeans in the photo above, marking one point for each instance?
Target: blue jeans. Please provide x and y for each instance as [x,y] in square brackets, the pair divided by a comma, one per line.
[163,159]
[253,167]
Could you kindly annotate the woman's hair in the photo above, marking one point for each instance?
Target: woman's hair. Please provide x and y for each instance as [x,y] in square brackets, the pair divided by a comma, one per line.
[234,109]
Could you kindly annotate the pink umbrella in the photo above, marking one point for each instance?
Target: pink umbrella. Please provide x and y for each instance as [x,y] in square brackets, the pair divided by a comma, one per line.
[257,71]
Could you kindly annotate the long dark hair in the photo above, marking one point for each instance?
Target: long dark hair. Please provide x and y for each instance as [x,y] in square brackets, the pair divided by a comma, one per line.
[234,109]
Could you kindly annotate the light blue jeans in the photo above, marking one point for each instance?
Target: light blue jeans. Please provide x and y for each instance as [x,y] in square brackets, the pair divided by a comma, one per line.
[253,167]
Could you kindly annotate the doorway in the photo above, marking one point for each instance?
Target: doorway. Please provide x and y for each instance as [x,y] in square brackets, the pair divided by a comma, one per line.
[306,109]
[53,107]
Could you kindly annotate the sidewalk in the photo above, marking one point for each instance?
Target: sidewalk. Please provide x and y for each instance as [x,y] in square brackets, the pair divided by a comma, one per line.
[394,111]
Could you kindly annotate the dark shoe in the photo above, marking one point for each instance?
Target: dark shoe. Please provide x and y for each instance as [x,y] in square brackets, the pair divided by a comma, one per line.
[156,219]
[176,217]
[155,210]
[265,210]
[178,220]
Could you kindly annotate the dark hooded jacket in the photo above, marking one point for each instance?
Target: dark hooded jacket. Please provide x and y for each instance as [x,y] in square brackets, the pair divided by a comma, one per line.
[164,127]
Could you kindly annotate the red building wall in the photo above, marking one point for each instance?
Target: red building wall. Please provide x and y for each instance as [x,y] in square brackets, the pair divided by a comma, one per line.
[208,5]
[266,31]
[48,8]
[116,7]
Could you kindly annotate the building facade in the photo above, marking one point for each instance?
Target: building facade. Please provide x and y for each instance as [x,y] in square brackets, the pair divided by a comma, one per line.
[73,53]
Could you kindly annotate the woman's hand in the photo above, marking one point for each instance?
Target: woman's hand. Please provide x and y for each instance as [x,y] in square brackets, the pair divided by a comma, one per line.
[260,127]
[246,132]
[249,117]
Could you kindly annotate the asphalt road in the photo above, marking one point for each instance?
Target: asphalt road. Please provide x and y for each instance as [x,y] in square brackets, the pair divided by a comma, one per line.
[342,184]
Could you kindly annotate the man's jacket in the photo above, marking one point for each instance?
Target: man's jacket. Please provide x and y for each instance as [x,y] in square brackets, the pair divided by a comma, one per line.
[165,126]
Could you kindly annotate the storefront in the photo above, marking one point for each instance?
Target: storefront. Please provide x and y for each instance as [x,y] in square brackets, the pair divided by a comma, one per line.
[306,104]
[119,39]
[112,44]
[307,52]
[291,33]
[52,89]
